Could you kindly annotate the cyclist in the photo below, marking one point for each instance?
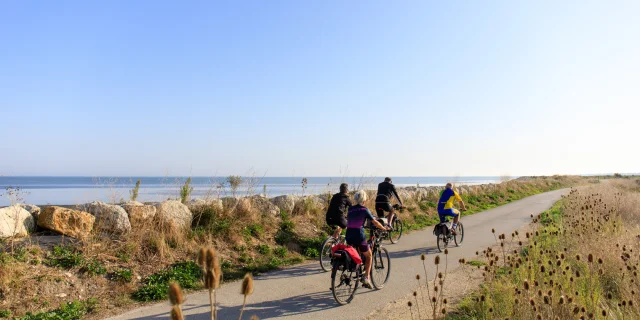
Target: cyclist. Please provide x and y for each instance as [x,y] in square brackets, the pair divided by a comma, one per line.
[338,206]
[357,217]
[386,190]
[445,206]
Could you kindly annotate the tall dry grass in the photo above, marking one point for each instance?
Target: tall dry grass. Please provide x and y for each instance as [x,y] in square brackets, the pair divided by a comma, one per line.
[580,262]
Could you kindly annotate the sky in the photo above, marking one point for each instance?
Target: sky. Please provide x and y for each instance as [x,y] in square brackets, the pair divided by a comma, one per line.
[319,88]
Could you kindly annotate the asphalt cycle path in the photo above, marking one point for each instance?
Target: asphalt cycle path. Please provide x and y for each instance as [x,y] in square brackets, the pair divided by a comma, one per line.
[303,291]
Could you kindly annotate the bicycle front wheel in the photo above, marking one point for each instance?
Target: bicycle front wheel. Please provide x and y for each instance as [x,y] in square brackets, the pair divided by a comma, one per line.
[380,268]
[325,254]
[344,284]
[396,234]
[459,237]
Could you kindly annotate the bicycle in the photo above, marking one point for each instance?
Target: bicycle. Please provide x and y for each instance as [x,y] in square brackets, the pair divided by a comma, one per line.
[395,235]
[444,235]
[346,278]
[325,251]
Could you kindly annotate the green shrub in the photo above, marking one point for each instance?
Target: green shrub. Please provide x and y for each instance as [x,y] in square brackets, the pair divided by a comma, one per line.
[93,268]
[280,252]
[122,275]
[185,191]
[74,310]
[156,286]
[64,257]
[255,230]
[134,192]
[275,262]
[5,314]
[311,252]
[264,249]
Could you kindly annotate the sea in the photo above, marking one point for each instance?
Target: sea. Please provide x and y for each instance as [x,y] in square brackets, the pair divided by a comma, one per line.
[79,190]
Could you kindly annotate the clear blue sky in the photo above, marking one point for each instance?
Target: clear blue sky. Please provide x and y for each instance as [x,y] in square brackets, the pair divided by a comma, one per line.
[319,87]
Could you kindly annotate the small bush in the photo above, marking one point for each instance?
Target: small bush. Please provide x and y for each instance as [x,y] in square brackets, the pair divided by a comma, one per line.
[64,257]
[264,249]
[122,275]
[93,268]
[311,252]
[156,286]
[134,192]
[280,252]
[255,230]
[185,191]
[275,262]
[5,314]
[68,311]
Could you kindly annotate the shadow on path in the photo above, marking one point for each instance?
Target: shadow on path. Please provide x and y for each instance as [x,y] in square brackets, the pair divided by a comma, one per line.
[293,272]
[412,253]
[301,304]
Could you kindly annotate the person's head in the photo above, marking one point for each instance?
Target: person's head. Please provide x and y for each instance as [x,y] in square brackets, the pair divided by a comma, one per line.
[449,186]
[360,197]
[344,188]
[387,179]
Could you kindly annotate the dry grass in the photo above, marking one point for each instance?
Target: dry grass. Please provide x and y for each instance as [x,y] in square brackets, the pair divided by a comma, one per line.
[580,262]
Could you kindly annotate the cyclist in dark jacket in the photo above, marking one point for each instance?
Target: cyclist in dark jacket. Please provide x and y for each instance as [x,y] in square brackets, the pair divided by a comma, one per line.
[386,190]
[336,214]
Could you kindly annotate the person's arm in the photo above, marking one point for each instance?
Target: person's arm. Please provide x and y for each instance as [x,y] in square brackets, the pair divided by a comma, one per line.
[462,206]
[393,188]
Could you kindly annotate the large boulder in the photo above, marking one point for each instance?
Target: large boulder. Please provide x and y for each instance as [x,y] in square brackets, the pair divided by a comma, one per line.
[308,204]
[286,202]
[72,223]
[198,203]
[34,210]
[174,215]
[264,206]
[139,214]
[15,221]
[109,218]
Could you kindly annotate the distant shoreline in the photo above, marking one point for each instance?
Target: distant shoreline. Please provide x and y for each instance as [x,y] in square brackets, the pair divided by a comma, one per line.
[71,191]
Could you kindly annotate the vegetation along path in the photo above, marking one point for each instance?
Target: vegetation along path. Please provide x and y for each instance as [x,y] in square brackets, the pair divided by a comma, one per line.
[302,292]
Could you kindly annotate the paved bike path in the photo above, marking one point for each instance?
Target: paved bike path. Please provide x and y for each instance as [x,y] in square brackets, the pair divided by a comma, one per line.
[302,292]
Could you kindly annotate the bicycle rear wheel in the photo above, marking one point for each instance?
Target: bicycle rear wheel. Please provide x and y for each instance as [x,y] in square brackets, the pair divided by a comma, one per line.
[325,254]
[442,240]
[380,268]
[344,284]
[459,237]
[396,234]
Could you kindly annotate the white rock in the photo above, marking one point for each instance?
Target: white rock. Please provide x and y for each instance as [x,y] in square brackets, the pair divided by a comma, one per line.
[174,214]
[15,221]
[109,218]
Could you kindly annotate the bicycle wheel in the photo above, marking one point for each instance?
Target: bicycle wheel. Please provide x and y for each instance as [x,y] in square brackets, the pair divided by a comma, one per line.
[396,234]
[344,284]
[442,240]
[459,237]
[325,254]
[380,268]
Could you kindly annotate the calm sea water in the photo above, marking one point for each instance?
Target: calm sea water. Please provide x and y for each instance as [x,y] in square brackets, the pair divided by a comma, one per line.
[78,190]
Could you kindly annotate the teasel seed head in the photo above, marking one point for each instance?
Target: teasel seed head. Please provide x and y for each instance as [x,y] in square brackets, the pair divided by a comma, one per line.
[176,313]
[202,257]
[209,280]
[247,284]
[175,294]
[211,257]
